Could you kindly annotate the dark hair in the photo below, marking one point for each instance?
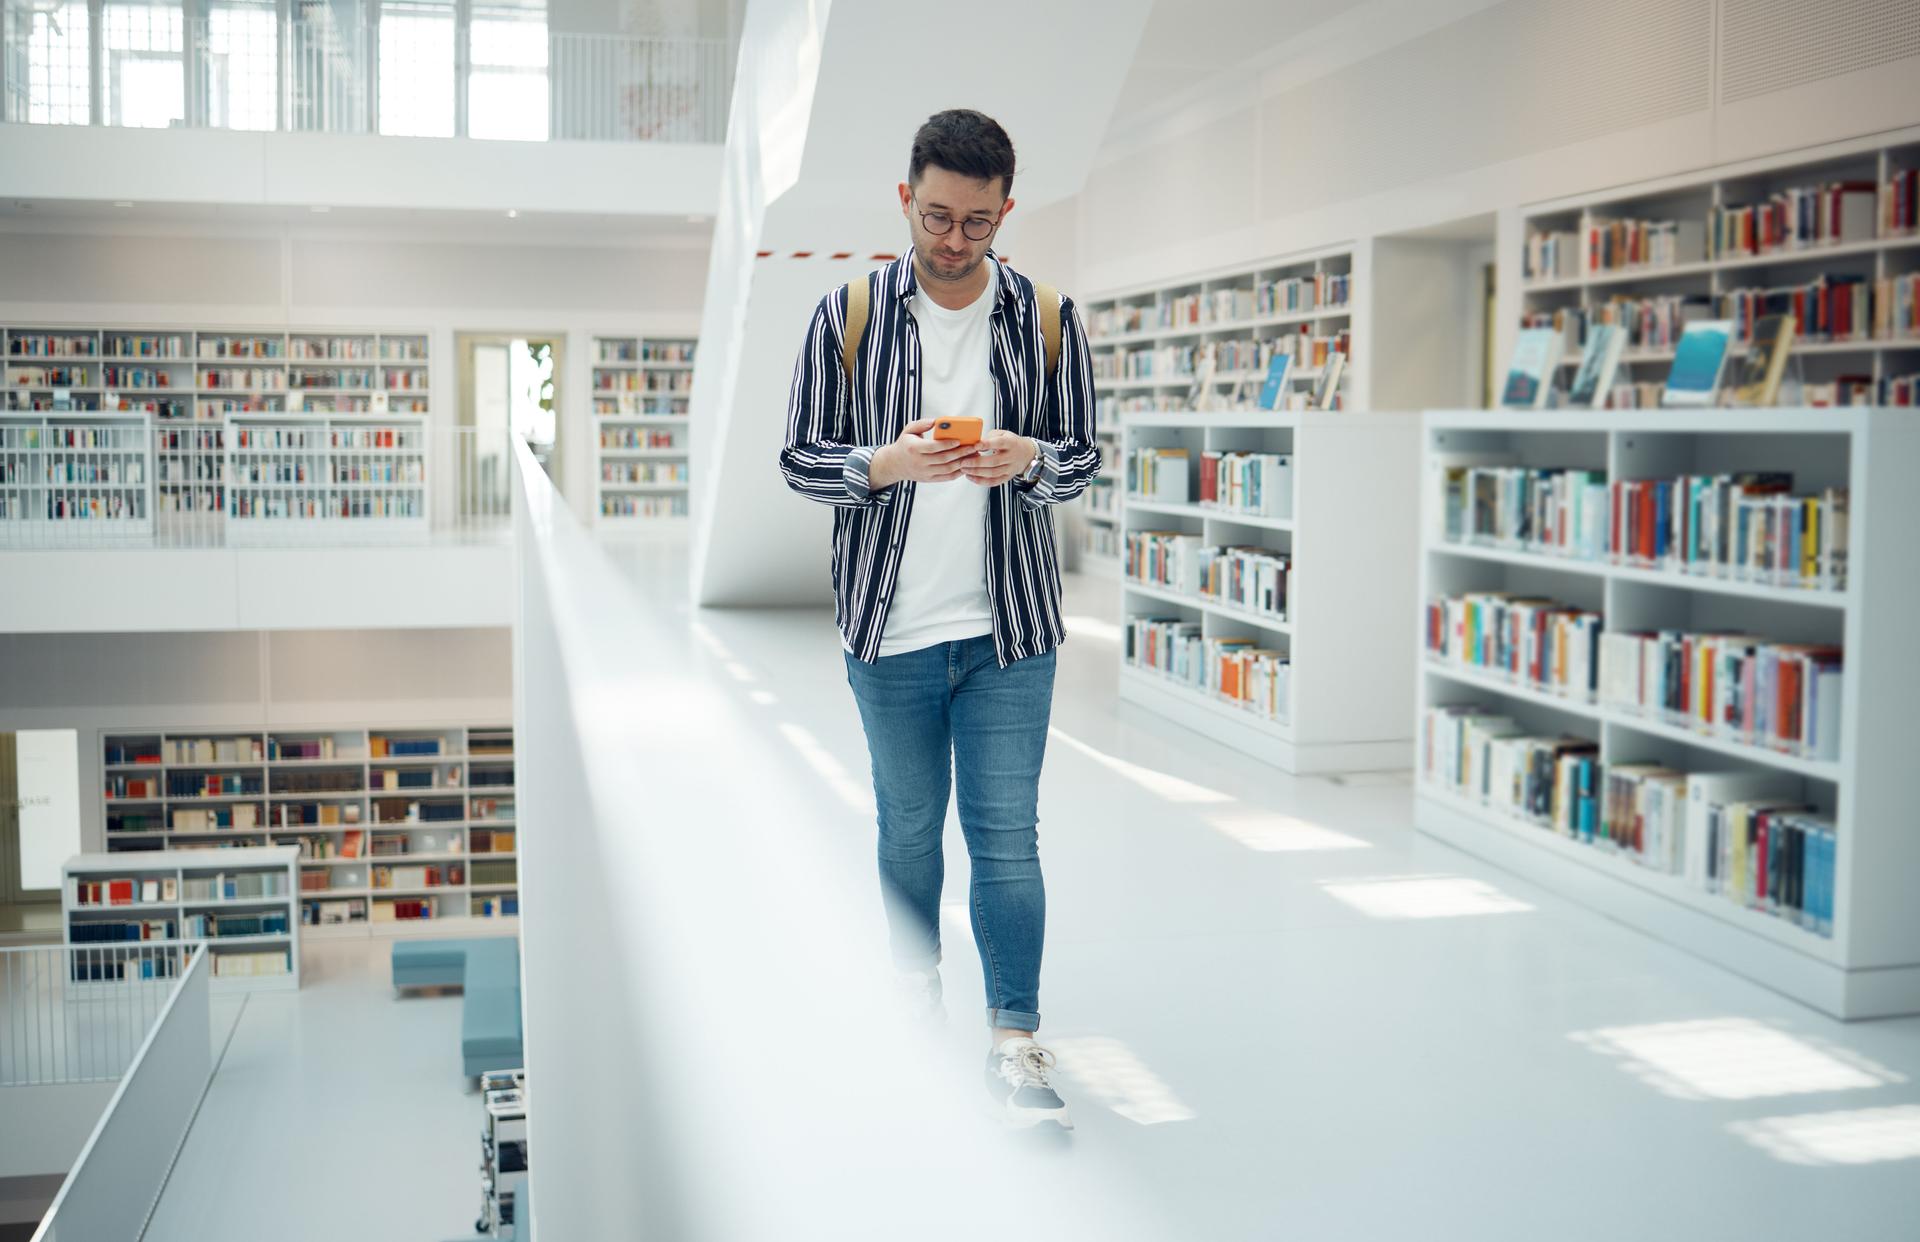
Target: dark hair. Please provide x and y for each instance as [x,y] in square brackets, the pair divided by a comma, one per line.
[963,141]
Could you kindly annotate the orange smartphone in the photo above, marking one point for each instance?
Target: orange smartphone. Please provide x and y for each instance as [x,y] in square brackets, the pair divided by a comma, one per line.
[962,430]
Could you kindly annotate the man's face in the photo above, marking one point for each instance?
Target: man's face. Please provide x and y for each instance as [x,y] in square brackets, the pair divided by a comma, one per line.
[951,256]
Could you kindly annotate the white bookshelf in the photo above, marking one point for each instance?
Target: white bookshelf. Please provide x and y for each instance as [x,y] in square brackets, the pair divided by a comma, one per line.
[321,477]
[443,822]
[1870,966]
[1095,528]
[642,389]
[1870,353]
[69,470]
[186,898]
[186,389]
[1352,559]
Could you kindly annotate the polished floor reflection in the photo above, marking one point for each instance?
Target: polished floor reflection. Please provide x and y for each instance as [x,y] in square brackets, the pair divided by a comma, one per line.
[1278,1011]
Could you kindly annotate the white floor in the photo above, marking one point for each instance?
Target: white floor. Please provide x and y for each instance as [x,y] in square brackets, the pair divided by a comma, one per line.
[1277,1008]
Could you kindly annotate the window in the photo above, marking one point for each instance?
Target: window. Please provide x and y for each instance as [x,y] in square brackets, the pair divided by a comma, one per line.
[57,75]
[416,70]
[143,47]
[243,67]
[507,85]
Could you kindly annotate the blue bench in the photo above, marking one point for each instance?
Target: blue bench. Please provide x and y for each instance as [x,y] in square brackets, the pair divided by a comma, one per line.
[488,971]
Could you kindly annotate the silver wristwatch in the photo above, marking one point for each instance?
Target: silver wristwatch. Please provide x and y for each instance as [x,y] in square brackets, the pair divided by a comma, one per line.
[1032,472]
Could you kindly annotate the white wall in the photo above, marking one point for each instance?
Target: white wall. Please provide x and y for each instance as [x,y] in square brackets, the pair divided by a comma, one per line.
[99,683]
[1404,113]
[104,163]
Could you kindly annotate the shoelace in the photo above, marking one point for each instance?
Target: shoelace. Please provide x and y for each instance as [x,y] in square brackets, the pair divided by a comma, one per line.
[1027,1067]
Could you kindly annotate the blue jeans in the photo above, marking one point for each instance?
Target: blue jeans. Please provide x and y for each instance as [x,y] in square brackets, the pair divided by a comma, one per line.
[928,714]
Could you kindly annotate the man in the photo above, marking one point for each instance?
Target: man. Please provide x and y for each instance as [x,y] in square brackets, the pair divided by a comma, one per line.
[945,570]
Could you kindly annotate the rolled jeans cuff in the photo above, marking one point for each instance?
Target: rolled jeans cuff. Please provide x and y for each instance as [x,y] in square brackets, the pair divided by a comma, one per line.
[1013,1020]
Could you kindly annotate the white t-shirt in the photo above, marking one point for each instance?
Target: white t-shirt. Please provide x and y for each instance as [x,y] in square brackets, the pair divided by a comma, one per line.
[941,595]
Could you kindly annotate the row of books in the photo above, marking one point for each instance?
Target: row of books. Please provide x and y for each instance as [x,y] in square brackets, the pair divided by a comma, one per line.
[1100,541]
[1259,484]
[1787,221]
[51,345]
[1700,373]
[328,781]
[144,345]
[95,966]
[252,965]
[277,506]
[1738,687]
[1746,836]
[216,926]
[49,377]
[1159,474]
[333,913]
[233,885]
[64,506]
[214,784]
[1747,526]
[243,377]
[1796,218]
[675,382]
[490,841]
[129,472]
[418,812]
[178,751]
[114,931]
[322,747]
[643,506]
[496,905]
[404,910]
[635,438]
[1233,670]
[1249,578]
[1532,641]
[653,472]
[115,376]
[642,405]
[1259,299]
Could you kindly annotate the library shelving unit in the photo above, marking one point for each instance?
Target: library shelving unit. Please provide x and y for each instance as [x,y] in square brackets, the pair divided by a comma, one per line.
[1148,342]
[317,477]
[189,390]
[62,470]
[398,830]
[1847,360]
[1351,572]
[1096,525]
[1870,964]
[156,906]
[642,386]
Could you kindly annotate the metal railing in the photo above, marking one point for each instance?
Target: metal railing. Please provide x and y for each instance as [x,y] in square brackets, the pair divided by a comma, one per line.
[76,1015]
[423,73]
[68,481]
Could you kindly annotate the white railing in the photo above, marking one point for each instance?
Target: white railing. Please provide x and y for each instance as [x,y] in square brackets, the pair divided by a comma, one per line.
[59,1021]
[612,89]
[418,73]
[71,481]
[737,990]
[112,1188]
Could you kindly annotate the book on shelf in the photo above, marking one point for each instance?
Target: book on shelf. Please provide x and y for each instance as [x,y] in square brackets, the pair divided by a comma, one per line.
[1273,390]
[1756,381]
[1600,359]
[1326,389]
[1530,640]
[1536,352]
[1708,795]
[1613,245]
[350,843]
[1698,363]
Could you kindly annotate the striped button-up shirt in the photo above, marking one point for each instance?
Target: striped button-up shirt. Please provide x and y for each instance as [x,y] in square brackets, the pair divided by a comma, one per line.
[833,431]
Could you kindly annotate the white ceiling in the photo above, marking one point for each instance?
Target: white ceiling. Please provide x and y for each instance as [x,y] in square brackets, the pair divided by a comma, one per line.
[1188,43]
[547,228]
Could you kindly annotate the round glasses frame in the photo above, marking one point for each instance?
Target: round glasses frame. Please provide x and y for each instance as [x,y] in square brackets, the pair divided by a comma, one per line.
[939,224]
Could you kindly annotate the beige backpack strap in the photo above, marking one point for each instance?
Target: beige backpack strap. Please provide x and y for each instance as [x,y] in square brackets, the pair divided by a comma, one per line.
[857,293]
[1048,299]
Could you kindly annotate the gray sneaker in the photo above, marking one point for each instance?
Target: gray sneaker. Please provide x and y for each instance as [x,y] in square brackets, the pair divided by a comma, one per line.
[1017,1080]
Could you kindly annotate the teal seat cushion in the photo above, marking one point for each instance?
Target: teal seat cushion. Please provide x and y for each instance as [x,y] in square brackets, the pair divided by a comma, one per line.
[490,1029]
[430,963]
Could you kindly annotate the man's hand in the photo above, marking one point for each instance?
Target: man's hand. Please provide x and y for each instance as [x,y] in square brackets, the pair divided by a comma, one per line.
[1003,455]
[915,456]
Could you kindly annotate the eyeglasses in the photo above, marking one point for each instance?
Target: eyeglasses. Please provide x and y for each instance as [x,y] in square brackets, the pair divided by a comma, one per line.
[939,223]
